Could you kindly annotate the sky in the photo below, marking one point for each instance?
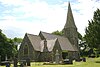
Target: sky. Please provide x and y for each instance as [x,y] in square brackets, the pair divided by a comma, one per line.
[18,17]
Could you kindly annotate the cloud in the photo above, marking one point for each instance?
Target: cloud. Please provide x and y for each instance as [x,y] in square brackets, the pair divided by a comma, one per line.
[17,29]
[85,10]
[47,16]
[32,16]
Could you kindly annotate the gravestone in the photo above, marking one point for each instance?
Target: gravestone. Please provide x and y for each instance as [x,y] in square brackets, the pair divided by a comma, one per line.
[24,62]
[28,61]
[70,61]
[84,59]
[6,57]
[15,62]
[66,61]
[57,57]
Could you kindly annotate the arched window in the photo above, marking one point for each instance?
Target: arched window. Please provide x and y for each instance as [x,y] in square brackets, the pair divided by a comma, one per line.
[26,50]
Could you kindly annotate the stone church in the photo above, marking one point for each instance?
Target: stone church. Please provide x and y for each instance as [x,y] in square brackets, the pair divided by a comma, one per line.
[45,46]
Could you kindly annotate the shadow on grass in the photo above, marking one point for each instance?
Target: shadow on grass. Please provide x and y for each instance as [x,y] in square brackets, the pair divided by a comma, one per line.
[97,62]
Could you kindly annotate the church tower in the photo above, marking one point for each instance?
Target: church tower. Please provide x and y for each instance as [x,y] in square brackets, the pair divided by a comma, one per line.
[70,30]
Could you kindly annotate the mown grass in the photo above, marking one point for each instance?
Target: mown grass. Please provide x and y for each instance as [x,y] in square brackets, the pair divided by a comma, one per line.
[91,62]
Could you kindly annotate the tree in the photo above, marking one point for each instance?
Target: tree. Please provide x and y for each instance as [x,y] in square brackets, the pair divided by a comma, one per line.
[7,46]
[60,33]
[80,37]
[92,35]
[16,42]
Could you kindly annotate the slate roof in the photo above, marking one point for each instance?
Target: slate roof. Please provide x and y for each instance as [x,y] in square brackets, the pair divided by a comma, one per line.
[38,44]
[50,44]
[35,41]
[64,42]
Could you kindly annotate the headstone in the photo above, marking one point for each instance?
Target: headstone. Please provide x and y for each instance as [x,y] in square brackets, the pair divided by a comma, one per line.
[57,57]
[70,61]
[66,61]
[15,62]
[81,59]
[24,62]
[6,57]
[84,59]
[28,61]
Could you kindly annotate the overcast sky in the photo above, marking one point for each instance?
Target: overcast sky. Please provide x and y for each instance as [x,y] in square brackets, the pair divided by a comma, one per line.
[18,17]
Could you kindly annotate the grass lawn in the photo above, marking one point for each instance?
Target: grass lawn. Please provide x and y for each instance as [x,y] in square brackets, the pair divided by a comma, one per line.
[91,62]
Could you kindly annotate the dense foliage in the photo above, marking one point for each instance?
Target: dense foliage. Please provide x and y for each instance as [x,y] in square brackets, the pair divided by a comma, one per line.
[7,46]
[92,36]
[60,33]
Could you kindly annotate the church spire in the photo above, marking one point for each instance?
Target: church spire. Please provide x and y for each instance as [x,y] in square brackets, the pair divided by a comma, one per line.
[70,20]
[70,31]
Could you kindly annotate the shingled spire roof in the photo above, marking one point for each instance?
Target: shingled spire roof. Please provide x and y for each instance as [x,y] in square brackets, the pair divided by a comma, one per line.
[70,20]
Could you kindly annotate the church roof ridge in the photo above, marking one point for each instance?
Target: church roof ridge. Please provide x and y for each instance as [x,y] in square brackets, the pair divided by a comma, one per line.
[31,34]
[64,42]
[53,34]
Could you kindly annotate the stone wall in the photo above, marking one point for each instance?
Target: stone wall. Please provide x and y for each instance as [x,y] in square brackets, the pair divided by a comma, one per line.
[31,51]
